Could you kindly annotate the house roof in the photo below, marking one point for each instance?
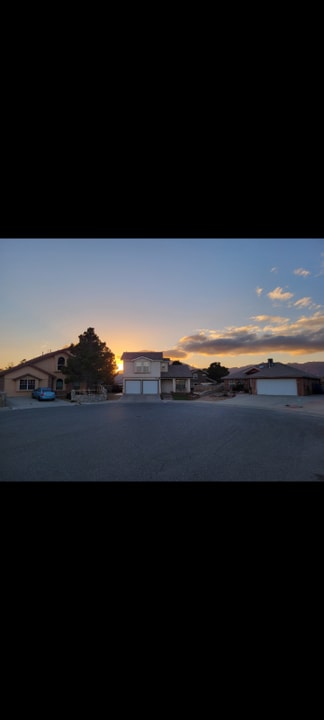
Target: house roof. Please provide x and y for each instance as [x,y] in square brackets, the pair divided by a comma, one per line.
[26,374]
[276,370]
[31,363]
[177,371]
[143,353]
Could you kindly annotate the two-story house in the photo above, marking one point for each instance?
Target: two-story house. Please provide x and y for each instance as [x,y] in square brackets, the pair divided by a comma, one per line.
[42,371]
[149,373]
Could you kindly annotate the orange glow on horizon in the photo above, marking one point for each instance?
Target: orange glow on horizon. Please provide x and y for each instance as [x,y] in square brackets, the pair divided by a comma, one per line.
[119,363]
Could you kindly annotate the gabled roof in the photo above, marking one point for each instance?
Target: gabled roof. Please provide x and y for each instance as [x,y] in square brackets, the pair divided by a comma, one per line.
[31,363]
[276,370]
[27,374]
[177,371]
[143,354]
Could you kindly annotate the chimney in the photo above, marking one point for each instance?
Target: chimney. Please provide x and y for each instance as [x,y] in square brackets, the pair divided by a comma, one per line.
[270,362]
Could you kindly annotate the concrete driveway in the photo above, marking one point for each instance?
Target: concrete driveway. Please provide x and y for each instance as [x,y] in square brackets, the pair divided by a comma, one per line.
[24,403]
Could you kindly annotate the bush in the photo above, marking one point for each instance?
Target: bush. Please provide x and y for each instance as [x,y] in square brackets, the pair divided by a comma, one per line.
[181,396]
[116,388]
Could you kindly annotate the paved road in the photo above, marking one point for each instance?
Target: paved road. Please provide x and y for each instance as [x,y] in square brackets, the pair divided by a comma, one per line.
[175,441]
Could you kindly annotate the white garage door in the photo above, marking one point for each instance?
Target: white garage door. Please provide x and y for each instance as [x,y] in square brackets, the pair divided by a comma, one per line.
[133,387]
[277,387]
[150,387]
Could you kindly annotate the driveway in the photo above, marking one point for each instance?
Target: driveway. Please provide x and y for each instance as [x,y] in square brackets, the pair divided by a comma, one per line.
[24,403]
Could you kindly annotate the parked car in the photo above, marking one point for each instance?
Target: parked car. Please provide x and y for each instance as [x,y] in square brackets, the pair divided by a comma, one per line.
[44,393]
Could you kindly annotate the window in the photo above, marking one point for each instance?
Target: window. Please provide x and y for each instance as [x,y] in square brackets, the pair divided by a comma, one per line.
[142,366]
[59,384]
[180,384]
[60,363]
[27,384]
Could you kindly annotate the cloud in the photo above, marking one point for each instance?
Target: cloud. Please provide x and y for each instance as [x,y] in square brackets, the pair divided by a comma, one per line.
[274,270]
[302,272]
[306,335]
[303,302]
[259,291]
[279,294]
[269,318]
[174,353]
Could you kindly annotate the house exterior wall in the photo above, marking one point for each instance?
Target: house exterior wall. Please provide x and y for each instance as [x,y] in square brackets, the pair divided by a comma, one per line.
[173,385]
[167,386]
[305,386]
[153,380]
[12,381]
[131,374]
[44,372]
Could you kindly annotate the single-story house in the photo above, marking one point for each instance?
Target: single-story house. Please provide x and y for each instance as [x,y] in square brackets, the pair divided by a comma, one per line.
[149,373]
[272,378]
[42,371]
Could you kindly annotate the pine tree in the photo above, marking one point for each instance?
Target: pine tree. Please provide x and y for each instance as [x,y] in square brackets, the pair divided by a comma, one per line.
[92,362]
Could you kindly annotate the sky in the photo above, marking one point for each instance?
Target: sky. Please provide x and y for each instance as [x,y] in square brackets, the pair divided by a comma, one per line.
[233,301]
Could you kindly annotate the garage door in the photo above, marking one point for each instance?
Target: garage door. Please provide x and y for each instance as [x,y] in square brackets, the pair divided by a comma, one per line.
[150,387]
[133,387]
[277,387]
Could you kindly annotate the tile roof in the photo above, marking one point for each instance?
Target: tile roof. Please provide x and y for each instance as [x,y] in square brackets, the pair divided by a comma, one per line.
[142,353]
[37,359]
[276,370]
[177,371]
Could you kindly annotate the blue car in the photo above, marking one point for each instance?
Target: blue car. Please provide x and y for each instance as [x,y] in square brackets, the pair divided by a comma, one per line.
[44,393]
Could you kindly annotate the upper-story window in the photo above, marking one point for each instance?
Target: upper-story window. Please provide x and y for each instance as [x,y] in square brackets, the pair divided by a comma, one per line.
[60,363]
[142,366]
[164,367]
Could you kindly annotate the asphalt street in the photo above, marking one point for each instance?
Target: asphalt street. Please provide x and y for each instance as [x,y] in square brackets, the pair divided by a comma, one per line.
[163,441]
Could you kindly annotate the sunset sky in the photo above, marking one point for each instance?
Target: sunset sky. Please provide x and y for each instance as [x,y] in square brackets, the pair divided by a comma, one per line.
[234,301]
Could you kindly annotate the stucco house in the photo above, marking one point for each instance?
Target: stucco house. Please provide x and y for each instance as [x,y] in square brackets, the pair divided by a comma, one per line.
[149,373]
[272,378]
[42,371]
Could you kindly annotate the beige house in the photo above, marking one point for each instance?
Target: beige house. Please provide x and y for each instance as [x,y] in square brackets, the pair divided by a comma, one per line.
[149,373]
[42,371]
[272,378]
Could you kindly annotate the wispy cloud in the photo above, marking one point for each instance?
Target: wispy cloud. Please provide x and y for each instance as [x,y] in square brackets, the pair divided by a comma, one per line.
[279,294]
[259,291]
[303,302]
[274,270]
[302,272]
[306,335]
[269,318]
